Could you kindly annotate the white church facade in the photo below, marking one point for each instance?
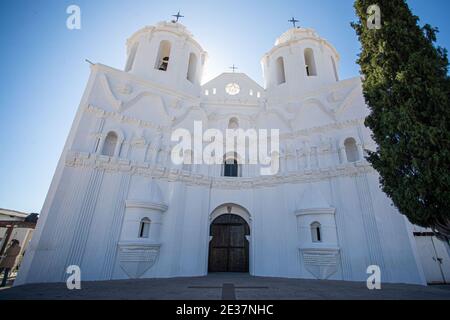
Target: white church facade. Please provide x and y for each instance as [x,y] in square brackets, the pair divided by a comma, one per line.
[119,208]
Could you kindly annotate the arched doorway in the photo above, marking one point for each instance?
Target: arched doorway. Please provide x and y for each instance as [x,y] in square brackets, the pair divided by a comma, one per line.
[229,247]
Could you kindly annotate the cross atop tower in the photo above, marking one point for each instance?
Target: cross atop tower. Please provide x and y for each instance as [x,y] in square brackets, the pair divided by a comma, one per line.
[178,16]
[234,68]
[294,22]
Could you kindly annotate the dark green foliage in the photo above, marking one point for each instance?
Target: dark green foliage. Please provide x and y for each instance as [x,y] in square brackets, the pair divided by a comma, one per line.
[407,89]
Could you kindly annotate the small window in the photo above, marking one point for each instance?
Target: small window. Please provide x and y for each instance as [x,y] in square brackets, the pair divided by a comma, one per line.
[233,124]
[351,150]
[110,144]
[206,92]
[192,67]
[281,75]
[258,95]
[251,92]
[310,63]
[214,90]
[316,232]
[144,228]
[162,60]
[231,168]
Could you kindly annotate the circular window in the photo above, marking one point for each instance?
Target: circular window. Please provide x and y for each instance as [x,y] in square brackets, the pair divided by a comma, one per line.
[232,89]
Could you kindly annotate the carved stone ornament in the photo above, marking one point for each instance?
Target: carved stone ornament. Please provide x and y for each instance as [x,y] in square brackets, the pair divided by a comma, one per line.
[136,259]
[321,263]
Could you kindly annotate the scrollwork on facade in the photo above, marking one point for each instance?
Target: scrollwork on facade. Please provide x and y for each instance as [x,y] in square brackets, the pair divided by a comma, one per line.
[93,161]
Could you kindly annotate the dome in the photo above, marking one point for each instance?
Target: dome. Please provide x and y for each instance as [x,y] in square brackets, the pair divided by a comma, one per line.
[300,62]
[301,34]
[167,55]
[163,26]
[297,35]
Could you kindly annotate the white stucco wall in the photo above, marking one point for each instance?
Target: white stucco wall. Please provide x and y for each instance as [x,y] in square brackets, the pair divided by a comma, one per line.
[87,219]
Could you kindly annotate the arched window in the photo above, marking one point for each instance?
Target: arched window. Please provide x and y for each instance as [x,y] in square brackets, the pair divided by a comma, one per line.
[192,67]
[351,150]
[233,124]
[335,69]
[144,228]
[310,63]
[162,60]
[231,167]
[316,232]
[281,75]
[110,144]
[131,57]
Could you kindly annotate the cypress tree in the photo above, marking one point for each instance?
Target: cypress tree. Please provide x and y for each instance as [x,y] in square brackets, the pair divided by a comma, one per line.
[407,89]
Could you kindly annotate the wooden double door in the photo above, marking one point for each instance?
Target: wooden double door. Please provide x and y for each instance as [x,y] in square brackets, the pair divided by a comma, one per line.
[435,258]
[229,247]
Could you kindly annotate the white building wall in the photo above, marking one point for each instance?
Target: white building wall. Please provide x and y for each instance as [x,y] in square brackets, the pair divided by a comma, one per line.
[87,218]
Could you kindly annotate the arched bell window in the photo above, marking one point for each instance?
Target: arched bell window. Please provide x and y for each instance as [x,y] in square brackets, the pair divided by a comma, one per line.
[351,150]
[144,228]
[131,57]
[281,74]
[163,58]
[110,144]
[316,232]
[333,63]
[192,67]
[310,63]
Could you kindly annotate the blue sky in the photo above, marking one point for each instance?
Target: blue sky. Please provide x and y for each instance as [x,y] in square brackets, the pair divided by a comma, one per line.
[44,73]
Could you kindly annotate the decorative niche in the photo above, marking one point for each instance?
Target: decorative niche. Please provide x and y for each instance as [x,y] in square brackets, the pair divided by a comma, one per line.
[318,243]
[140,242]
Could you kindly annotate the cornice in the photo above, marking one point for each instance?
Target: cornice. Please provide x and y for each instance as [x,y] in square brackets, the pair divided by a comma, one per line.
[176,29]
[315,211]
[146,205]
[137,244]
[320,248]
[119,117]
[217,102]
[99,112]
[329,127]
[126,76]
[93,161]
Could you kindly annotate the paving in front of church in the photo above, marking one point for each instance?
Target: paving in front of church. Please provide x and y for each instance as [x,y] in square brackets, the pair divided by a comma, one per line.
[225,287]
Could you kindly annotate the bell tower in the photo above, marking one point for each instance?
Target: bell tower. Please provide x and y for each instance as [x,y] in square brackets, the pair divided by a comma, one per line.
[168,55]
[299,62]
